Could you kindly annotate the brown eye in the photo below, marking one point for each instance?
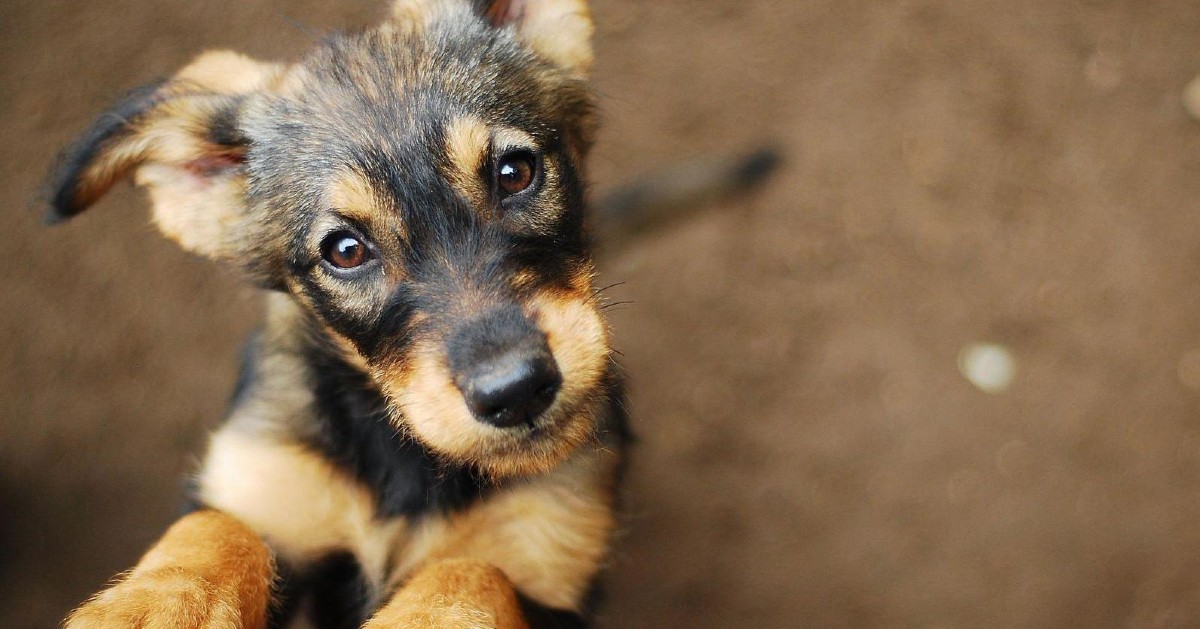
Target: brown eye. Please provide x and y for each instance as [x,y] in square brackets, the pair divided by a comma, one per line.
[516,173]
[344,250]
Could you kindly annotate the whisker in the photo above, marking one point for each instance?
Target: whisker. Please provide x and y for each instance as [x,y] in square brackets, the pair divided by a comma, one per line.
[596,293]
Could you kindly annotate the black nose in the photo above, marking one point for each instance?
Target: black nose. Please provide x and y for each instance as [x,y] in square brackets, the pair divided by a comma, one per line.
[504,368]
[511,389]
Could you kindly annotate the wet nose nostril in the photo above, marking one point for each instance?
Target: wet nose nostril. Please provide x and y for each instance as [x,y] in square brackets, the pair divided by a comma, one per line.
[502,364]
[512,389]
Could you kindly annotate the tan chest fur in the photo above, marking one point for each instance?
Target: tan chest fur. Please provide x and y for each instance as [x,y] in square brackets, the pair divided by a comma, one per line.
[547,534]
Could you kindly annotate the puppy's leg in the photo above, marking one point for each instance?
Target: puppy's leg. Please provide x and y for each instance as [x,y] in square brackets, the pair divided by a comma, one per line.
[456,594]
[209,571]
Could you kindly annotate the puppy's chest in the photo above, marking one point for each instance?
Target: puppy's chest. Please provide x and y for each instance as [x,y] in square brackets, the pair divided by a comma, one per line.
[305,506]
[549,535]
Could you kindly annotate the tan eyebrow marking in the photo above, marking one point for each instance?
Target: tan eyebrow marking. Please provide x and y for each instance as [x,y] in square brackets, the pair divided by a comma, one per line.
[352,196]
[508,138]
[467,141]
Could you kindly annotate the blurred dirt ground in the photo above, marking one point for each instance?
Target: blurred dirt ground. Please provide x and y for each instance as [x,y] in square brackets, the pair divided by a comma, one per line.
[1020,173]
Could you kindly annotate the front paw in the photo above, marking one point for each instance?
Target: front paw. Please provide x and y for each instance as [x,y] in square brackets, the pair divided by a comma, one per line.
[169,598]
[453,594]
[441,614]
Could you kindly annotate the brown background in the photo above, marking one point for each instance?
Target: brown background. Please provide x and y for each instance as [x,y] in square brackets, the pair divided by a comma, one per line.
[1017,172]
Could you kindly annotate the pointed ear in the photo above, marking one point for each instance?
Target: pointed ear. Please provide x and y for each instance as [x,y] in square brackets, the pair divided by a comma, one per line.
[559,30]
[180,140]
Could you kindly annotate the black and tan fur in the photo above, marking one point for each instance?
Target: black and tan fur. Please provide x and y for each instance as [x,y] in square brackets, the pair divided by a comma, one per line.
[352,483]
[363,476]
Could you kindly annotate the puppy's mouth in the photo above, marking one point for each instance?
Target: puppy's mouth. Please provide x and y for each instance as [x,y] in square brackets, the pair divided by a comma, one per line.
[524,437]
[514,391]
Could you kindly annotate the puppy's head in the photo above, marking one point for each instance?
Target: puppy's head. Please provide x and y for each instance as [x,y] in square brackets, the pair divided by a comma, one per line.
[416,188]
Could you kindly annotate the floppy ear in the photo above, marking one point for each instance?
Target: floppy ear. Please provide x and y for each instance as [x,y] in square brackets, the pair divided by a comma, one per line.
[559,30]
[181,141]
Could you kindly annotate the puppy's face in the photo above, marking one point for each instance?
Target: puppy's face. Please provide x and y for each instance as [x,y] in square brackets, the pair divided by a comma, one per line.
[417,190]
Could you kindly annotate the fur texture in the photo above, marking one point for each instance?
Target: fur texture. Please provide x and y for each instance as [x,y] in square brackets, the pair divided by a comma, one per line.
[427,429]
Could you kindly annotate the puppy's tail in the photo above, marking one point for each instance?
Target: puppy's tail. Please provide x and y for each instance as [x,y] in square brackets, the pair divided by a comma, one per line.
[661,198]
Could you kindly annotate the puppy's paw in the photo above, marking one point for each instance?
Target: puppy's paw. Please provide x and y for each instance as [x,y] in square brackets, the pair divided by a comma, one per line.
[441,614]
[453,594]
[168,598]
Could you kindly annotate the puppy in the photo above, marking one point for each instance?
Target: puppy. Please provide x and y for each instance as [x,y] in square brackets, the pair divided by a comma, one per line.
[427,430]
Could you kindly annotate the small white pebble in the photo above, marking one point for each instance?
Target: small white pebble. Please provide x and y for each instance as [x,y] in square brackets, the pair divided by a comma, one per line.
[1191,98]
[988,366]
